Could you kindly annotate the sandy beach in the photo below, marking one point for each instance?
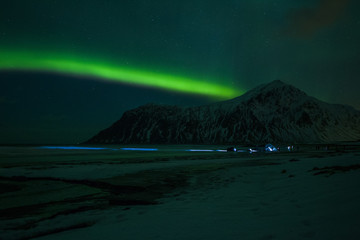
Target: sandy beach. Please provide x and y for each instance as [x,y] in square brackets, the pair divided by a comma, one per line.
[174,194]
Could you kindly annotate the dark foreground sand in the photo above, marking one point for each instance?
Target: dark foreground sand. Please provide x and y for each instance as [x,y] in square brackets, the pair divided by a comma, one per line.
[58,194]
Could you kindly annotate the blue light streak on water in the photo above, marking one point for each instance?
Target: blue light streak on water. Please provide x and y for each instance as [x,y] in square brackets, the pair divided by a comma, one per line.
[97,148]
[242,151]
[199,150]
[72,148]
[139,149]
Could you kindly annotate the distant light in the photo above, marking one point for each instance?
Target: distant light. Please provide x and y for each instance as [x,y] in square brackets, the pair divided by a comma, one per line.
[221,150]
[252,150]
[139,149]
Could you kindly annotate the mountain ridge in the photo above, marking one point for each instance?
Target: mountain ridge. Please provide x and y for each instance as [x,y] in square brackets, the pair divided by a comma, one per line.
[275,112]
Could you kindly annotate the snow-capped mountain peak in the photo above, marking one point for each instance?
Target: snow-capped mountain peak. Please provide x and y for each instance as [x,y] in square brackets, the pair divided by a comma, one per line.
[274,112]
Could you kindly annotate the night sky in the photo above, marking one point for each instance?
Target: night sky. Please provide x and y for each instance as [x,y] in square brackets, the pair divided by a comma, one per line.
[71,68]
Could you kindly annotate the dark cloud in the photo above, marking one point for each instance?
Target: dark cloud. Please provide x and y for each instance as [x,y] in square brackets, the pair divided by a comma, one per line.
[306,22]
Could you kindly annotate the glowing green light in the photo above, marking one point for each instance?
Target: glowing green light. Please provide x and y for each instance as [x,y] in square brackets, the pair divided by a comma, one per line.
[75,65]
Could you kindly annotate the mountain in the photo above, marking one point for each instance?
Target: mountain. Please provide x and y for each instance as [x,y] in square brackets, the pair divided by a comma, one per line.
[270,113]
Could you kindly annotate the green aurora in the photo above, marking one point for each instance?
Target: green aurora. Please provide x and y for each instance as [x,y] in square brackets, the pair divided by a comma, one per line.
[78,65]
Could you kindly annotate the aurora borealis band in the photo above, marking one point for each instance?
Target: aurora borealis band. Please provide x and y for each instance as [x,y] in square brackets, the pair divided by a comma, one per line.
[75,65]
